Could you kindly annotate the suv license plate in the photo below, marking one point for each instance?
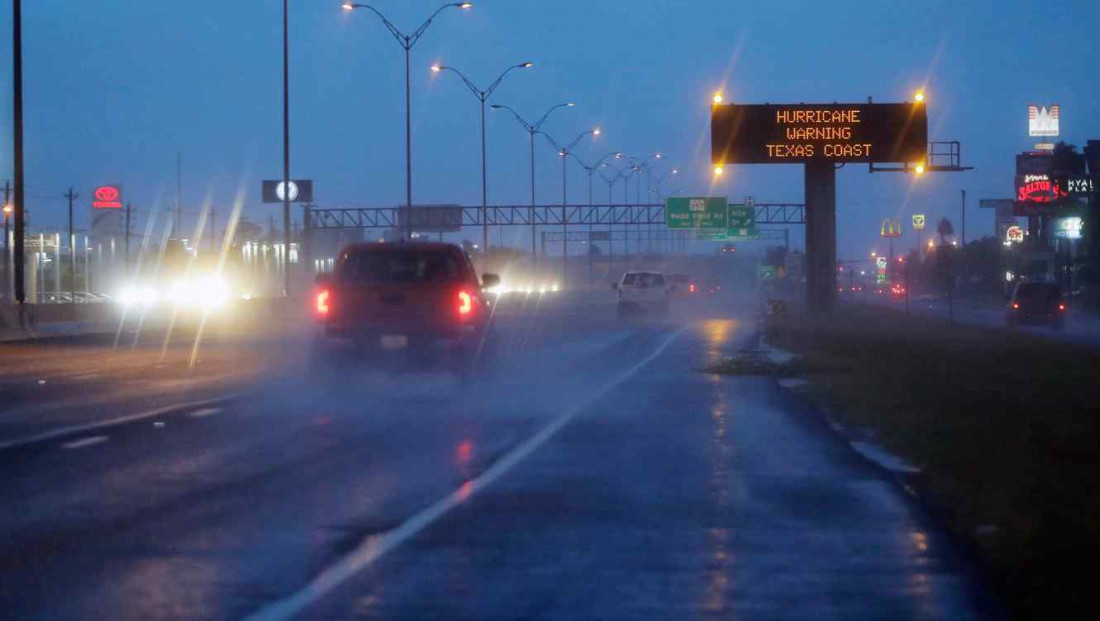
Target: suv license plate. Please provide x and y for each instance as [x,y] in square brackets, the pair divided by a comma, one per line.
[395,341]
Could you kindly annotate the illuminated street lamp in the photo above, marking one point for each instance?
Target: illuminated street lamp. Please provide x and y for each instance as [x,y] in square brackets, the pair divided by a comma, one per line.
[407,42]
[919,97]
[718,99]
[532,129]
[563,152]
[719,170]
[482,95]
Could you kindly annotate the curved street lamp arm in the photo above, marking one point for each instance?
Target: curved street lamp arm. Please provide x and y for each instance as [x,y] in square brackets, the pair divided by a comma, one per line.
[578,139]
[492,87]
[547,115]
[603,159]
[553,142]
[612,180]
[397,34]
[419,32]
[581,162]
[473,87]
[530,128]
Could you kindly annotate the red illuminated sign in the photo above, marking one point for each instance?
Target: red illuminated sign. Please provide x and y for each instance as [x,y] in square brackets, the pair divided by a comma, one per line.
[1038,189]
[107,197]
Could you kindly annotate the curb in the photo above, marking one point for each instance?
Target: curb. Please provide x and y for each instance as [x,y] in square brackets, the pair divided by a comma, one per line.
[912,484]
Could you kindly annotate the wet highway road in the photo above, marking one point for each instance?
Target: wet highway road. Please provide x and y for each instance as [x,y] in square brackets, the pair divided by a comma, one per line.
[595,473]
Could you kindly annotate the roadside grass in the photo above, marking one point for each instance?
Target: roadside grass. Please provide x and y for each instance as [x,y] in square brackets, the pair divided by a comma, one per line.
[1004,426]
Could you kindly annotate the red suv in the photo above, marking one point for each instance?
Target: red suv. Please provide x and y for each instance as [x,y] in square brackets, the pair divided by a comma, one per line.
[424,298]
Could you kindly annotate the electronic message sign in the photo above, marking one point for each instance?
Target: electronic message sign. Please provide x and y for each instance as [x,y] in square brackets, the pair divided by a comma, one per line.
[799,133]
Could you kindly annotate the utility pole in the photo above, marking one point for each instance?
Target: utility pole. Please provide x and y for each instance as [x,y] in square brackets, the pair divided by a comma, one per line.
[127,242]
[7,239]
[72,248]
[17,145]
[963,218]
[179,187]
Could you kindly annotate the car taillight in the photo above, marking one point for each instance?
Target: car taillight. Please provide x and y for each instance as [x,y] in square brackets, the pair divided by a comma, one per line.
[322,302]
[465,303]
[1015,306]
[1061,307]
[691,288]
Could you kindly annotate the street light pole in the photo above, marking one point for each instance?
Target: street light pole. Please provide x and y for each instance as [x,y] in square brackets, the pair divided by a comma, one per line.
[407,42]
[286,150]
[532,129]
[564,153]
[17,147]
[483,96]
[591,207]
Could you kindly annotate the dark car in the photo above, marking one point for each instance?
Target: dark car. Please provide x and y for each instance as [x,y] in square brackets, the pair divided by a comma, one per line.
[1036,303]
[420,298]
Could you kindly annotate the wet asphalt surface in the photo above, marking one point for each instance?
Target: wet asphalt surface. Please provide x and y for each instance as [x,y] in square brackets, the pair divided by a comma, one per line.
[592,473]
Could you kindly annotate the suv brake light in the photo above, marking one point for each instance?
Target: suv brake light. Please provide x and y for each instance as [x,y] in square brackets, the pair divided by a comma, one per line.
[322,302]
[465,303]
[1015,306]
[1061,307]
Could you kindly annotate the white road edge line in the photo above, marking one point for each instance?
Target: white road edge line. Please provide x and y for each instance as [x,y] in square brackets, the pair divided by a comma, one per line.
[129,418]
[375,546]
[81,443]
[201,413]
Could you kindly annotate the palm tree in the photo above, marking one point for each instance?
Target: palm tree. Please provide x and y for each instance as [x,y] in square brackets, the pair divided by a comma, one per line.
[945,229]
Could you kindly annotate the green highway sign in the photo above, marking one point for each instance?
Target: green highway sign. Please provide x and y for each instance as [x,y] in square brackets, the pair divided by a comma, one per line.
[768,272]
[742,234]
[699,212]
[742,217]
[710,235]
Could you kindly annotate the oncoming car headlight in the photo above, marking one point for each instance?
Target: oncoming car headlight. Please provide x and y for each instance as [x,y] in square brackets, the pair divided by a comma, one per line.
[212,292]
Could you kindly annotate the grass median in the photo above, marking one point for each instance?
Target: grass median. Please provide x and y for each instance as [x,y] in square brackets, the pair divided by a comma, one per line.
[1003,425]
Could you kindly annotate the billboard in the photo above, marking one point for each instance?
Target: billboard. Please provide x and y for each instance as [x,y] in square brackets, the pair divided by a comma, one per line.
[301,191]
[1038,189]
[107,197]
[918,222]
[799,133]
[1043,121]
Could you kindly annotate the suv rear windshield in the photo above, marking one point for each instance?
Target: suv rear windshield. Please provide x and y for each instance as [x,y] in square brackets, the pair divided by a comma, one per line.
[396,266]
[1037,292]
[644,279]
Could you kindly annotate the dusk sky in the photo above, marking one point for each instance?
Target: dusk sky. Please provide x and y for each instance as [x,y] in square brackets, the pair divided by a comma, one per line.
[116,88]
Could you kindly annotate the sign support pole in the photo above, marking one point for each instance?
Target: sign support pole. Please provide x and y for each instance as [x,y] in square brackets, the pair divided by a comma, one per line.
[820,192]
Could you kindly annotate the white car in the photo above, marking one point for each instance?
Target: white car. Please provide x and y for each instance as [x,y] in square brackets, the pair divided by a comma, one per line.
[643,292]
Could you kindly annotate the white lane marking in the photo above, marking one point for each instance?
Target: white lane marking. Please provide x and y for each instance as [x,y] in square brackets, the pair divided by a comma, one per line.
[374,547]
[81,443]
[204,412]
[66,431]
